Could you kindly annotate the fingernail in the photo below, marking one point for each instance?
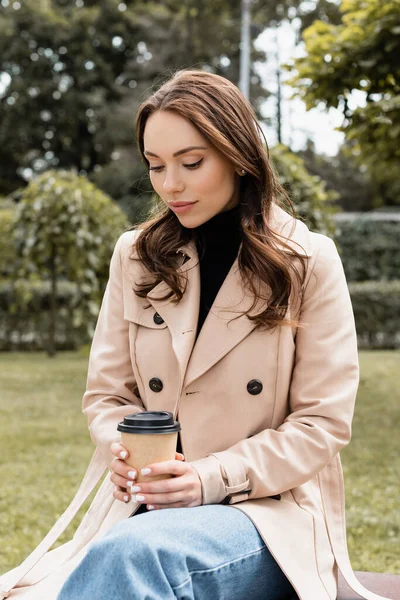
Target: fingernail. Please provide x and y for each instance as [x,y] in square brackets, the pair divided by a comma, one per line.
[139,498]
[136,488]
[145,471]
[150,507]
[129,484]
[126,498]
[123,454]
[132,474]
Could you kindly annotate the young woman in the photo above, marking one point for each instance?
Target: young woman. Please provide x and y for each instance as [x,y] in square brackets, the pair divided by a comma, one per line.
[227,311]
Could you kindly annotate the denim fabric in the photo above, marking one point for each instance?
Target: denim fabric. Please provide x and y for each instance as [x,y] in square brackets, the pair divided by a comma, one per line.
[209,552]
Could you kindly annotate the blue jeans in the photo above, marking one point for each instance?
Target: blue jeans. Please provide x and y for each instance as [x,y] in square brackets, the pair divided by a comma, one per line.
[208,552]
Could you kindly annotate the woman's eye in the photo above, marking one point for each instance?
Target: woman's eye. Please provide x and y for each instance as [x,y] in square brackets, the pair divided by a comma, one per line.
[191,166]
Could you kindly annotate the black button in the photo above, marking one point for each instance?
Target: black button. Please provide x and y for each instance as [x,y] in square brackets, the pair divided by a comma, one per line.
[156,385]
[254,387]
[158,320]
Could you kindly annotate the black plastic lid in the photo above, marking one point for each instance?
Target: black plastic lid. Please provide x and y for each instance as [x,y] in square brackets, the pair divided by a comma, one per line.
[150,421]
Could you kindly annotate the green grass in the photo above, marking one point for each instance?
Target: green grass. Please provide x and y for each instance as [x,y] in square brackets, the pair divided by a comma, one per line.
[371,464]
[45,449]
[44,446]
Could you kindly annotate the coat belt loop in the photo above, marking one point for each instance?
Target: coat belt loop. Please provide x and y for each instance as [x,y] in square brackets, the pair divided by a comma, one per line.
[234,489]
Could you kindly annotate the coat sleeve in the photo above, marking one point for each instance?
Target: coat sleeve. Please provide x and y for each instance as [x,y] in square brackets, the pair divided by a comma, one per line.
[321,398]
[109,394]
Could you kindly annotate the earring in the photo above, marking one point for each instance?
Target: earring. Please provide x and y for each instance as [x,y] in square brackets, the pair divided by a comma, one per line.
[242,172]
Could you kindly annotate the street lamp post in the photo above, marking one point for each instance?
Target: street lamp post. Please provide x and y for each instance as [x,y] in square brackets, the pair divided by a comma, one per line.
[244,83]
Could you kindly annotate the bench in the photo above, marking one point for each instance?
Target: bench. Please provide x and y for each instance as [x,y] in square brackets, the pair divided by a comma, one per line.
[384,584]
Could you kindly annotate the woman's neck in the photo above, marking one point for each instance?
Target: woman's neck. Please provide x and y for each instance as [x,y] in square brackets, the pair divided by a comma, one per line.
[223,232]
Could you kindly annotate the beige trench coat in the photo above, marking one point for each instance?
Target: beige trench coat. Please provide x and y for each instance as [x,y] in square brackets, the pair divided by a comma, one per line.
[285,440]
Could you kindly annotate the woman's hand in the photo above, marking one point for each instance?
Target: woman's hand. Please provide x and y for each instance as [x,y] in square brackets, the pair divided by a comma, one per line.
[123,475]
[184,489]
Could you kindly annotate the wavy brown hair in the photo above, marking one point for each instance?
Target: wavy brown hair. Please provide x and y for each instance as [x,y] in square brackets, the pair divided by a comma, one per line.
[220,112]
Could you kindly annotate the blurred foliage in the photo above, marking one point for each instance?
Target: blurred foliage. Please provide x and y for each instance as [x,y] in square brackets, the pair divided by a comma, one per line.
[65,228]
[374,135]
[361,53]
[327,11]
[78,72]
[342,174]
[369,248]
[376,306]
[74,74]
[28,328]
[307,192]
[7,252]
[115,180]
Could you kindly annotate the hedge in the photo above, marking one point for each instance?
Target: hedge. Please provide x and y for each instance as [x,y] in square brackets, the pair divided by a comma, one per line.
[369,246]
[376,307]
[27,329]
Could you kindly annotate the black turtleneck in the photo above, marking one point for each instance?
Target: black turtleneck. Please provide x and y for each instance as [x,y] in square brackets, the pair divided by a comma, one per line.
[217,243]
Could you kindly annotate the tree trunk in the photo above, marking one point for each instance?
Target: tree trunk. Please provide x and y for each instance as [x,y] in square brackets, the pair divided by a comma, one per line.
[51,351]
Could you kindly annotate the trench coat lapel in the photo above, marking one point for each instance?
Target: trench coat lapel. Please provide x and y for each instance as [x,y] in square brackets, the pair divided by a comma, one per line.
[218,335]
[225,326]
[181,318]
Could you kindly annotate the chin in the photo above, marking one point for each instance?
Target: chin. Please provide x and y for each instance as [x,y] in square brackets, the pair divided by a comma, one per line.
[192,221]
[189,222]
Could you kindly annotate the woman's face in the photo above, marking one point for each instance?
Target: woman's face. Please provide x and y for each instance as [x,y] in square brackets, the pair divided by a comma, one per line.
[196,184]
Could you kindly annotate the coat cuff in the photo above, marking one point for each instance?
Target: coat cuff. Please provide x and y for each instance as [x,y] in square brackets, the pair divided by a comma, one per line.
[222,480]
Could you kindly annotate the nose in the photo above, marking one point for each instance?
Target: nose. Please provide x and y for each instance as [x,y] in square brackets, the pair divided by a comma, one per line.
[172,182]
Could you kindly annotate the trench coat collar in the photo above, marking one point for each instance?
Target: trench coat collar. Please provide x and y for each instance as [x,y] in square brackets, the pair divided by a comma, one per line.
[221,331]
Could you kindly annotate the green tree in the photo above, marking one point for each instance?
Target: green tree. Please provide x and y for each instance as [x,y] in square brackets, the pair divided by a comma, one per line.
[342,174]
[65,229]
[327,11]
[313,203]
[63,60]
[361,53]
[74,72]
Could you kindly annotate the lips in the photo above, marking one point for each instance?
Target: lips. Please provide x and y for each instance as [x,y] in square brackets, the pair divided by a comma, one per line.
[179,204]
[181,208]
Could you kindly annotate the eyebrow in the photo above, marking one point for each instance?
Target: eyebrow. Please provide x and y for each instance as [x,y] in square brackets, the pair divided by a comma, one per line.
[183,151]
